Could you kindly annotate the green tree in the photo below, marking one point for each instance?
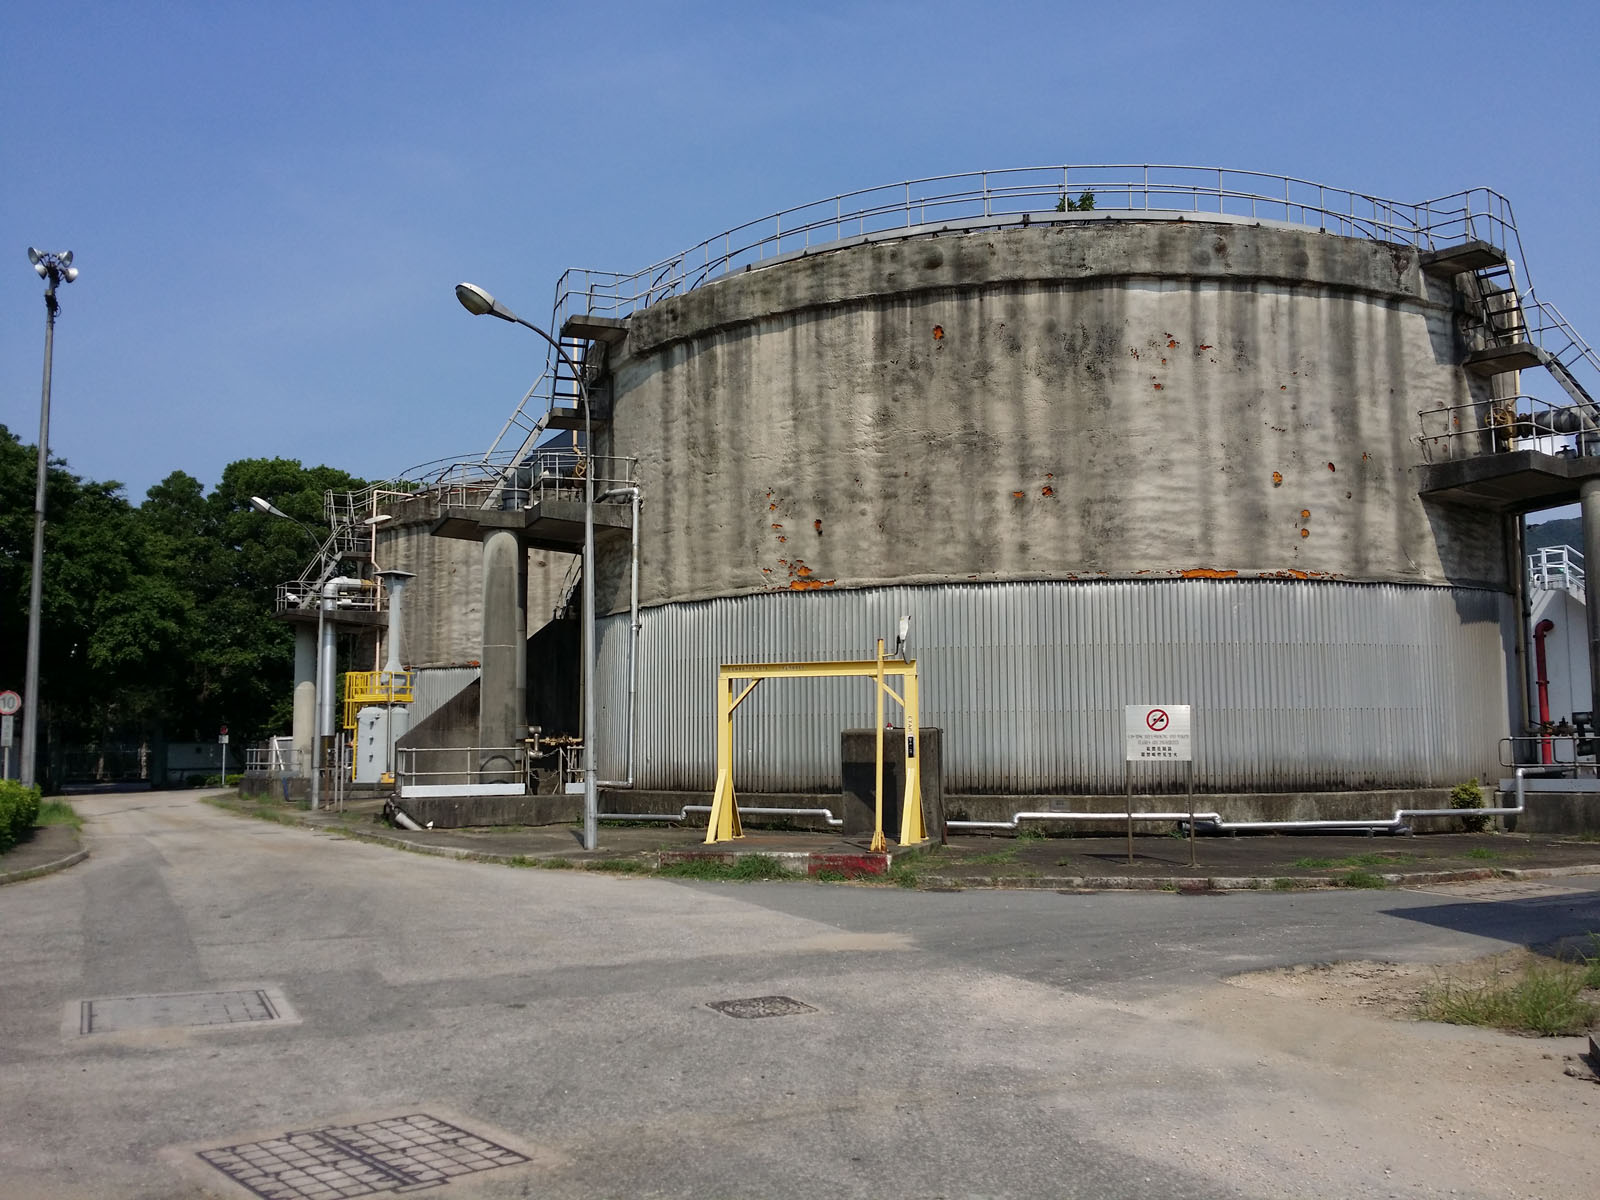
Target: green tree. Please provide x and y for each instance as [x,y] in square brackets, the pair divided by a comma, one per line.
[1084,203]
[157,619]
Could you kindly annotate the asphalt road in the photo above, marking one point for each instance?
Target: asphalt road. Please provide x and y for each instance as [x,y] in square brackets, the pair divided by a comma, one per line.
[961,1044]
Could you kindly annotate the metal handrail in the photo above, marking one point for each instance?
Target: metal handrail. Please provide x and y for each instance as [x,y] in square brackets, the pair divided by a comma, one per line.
[1556,568]
[1030,195]
[1500,426]
[463,764]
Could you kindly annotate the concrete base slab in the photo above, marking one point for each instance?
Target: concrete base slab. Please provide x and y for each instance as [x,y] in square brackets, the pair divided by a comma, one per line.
[457,812]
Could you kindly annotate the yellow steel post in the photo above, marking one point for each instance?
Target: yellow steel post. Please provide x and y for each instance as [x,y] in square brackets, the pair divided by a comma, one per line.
[878,844]
[723,825]
[912,827]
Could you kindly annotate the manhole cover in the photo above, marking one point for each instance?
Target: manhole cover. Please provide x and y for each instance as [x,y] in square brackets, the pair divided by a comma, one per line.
[761,1006]
[120,1014]
[396,1154]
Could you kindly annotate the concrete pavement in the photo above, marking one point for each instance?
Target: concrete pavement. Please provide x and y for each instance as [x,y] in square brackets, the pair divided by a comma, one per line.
[980,1043]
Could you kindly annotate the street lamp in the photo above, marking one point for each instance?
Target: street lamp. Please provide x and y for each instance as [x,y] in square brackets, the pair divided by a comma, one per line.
[481,304]
[54,269]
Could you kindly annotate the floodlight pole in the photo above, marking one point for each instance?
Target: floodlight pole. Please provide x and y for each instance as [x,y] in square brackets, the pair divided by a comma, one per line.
[53,269]
[480,303]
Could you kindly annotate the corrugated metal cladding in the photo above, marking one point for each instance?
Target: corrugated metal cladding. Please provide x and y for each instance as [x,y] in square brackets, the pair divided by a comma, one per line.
[434,687]
[1295,685]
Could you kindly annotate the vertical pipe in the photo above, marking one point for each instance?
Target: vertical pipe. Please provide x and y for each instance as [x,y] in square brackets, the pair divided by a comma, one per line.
[1589,497]
[1546,750]
[877,832]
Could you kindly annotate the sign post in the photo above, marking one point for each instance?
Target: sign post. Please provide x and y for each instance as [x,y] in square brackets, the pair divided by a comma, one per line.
[1157,733]
[222,749]
[10,705]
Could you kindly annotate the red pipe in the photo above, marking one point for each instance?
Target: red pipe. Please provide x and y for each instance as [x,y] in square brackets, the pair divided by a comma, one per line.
[1542,681]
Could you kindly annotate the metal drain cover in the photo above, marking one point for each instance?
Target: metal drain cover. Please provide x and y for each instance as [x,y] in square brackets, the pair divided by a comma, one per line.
[395,1154]
[187,1010]
[761,1006]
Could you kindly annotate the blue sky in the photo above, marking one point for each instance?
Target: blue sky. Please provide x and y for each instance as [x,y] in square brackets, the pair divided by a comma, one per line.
[270,203]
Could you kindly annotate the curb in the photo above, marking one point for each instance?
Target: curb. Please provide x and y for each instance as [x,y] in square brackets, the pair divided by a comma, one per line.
[1237,883]
[806,863]
[49,868]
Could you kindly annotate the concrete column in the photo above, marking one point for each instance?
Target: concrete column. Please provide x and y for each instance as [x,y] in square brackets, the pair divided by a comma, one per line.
[1590,497]
[502,706]
[305,695]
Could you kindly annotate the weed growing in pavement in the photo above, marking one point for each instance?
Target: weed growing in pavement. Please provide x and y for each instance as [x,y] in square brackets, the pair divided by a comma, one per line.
[1311,864]
[58,812]
[1540,998]
[1024,836]
[1284,884]
[744,869]
[1484,854]
[904,874]
[1361,879]
[621,866]
[828,875]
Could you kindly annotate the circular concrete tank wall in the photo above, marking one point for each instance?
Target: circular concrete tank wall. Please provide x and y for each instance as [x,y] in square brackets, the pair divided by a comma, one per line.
[1220,412]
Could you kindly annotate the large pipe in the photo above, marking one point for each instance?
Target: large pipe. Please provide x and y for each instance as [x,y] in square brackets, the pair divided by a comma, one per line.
[1542,682]
[327,671]
[633,637]
[1589,496]
[395,582]
[1395,823]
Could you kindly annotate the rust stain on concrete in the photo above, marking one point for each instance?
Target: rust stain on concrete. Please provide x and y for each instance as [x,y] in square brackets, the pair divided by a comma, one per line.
[1206,573]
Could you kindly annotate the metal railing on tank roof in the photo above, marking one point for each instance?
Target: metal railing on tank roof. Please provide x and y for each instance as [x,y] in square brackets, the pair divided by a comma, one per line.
[1028,195]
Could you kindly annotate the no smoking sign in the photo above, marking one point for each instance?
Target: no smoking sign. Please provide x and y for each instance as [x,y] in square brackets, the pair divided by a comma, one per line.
[1157,733]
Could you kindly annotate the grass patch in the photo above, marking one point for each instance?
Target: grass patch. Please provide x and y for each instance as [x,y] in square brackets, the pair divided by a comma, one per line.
[58,812]
[1284,884]
[1540,998]
[1361,879]
[1354,861]
[1024,836]
[828,875]
[1484,854]
[746,868]
[994,858]
[621,866]
[905,874]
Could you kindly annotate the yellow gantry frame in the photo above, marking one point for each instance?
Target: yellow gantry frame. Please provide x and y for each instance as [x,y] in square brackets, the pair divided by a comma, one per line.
[724,824]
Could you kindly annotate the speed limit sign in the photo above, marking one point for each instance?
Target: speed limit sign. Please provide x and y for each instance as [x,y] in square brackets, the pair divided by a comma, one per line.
[10,704]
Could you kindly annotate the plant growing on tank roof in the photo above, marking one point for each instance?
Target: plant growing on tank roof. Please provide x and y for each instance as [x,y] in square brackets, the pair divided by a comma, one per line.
[1084,203]
[1469,795]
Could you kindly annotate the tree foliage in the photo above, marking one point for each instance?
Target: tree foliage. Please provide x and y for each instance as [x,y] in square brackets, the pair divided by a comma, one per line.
[157,618]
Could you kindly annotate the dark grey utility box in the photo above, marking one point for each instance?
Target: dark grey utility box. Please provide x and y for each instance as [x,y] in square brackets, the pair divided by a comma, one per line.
[858,750]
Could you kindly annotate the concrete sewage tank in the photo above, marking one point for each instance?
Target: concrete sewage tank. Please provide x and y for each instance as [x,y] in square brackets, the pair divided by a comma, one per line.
[1100,458]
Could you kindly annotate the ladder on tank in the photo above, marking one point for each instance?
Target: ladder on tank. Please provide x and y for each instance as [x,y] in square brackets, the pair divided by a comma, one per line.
[1516,329]
[557,398]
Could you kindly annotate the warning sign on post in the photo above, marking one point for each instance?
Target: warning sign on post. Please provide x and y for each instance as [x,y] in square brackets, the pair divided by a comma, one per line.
[1157,733]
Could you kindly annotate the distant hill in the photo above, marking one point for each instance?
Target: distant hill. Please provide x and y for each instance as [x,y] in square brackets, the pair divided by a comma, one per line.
[1568,531]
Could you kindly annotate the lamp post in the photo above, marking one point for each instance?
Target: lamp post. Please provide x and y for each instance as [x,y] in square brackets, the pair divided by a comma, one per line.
[480,304]
[54,269]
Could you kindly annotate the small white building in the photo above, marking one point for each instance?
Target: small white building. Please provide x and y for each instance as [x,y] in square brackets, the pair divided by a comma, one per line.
[1556,594]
